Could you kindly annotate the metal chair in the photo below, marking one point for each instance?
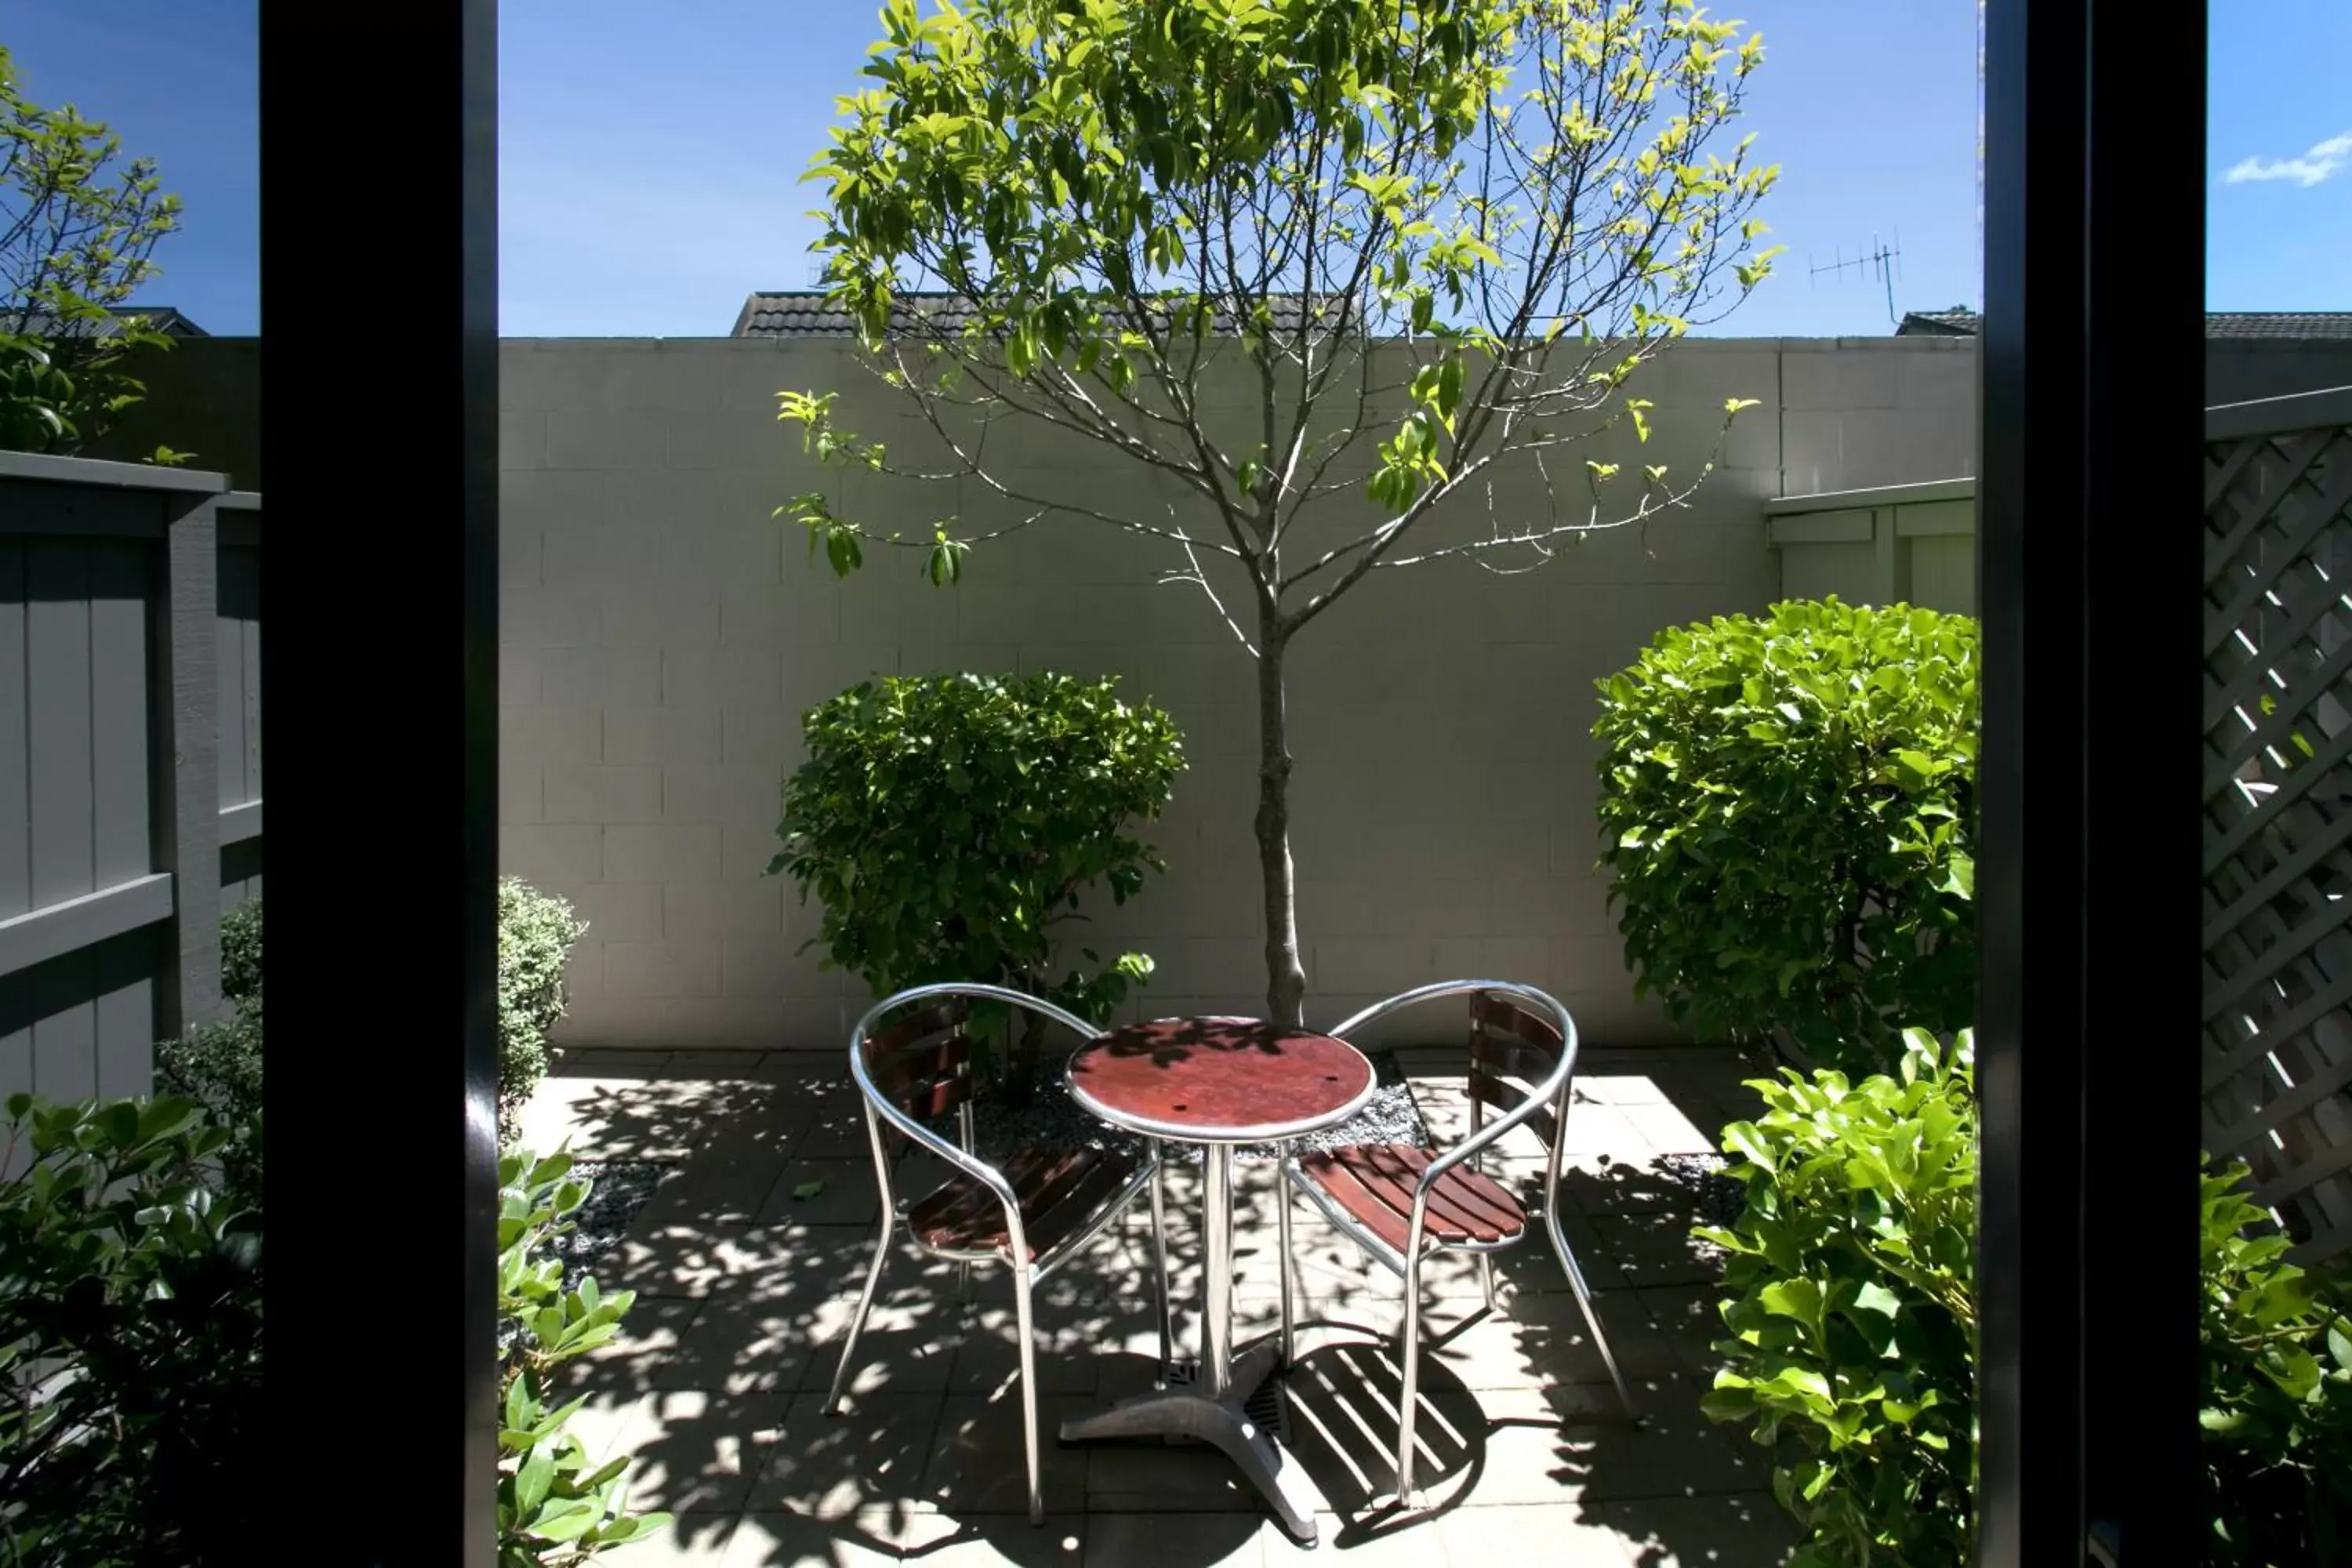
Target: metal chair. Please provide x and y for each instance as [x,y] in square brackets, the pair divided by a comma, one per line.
[1403,1205]
[1032,1213]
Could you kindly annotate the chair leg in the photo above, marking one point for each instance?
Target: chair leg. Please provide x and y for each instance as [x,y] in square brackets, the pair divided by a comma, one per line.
[1408,1405]
[1160,1259]
[1026,1320]
[1487,1278]
[1592,1321]
[865,1305]
[1283,1255]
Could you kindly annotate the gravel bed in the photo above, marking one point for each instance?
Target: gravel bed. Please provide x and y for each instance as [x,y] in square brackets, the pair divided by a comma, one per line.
[1054,1121]
[1719,1199]
[617,1190]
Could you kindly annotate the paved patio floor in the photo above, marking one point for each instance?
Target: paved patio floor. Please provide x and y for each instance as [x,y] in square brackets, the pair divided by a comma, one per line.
[744,1287]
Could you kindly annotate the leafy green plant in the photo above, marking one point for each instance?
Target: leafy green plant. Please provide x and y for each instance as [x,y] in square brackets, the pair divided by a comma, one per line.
[536,934]
[556,1506]
[1849,1304]
[78,234]
[1788,809]
[130,1325]
[1847,1296]
[219,1065]
[34,396]
[2277,1417]
[950,824]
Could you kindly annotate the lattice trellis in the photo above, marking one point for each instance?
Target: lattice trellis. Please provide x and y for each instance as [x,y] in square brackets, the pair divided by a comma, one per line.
[2278,806]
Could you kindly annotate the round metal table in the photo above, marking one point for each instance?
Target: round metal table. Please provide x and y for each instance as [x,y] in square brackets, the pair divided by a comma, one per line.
[1219,1083]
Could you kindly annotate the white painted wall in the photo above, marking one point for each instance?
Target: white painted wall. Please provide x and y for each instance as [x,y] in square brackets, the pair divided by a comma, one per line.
[660,636]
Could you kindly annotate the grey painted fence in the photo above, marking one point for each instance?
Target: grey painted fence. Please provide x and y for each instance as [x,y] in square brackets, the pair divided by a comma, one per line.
[2278,805]
[129,761]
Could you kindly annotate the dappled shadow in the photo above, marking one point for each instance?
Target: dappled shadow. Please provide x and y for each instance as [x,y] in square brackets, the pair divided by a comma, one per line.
[1344,1402]
[749,1258]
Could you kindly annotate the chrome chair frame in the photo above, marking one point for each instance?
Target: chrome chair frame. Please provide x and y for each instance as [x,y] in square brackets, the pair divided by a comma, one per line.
[881,1113]
[1552,1092]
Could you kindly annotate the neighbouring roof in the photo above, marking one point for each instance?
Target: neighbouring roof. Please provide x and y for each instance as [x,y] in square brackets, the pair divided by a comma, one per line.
[2275,324]
[809,314]
[164,318]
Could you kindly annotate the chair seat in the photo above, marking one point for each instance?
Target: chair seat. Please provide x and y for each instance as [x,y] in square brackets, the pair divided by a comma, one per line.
[1059,1191]
[1375,1184]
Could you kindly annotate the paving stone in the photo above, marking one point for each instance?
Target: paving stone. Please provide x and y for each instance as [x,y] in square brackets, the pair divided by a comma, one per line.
[796,1540]
[1151,1475]
[1554,1338]
[1375,1540]
[1164,1539]
[740,1344]
[979,1465]
[712,1191]
[1594,1128]
[830,1467]
[1597,1186]
[688,1261]
[626,1364]
[1677,1452]
[698,1450]
[1617,1087]
[904,1348]
[1669,1130]
[844,1194]
[1690,1318]
[689,1541]
[1556,1534]
[1744,1529]
[1657,1249]
[1068,1356]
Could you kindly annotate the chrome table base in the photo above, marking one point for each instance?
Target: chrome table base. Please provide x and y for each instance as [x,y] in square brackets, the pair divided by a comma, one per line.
[1222,1420]
[1215,1412]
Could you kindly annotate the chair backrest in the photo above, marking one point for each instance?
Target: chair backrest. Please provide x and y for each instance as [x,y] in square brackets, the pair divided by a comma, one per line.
[1509,1041]
[922,1064]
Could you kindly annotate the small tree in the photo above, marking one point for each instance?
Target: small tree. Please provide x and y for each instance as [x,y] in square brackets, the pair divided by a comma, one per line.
[1419,236]
[78,234]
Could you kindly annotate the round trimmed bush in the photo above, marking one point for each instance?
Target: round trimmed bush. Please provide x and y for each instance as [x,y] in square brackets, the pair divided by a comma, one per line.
[536,933]
[1789,813]
[950,824]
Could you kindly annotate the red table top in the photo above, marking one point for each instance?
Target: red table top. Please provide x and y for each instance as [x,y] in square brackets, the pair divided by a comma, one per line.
[1219,1080]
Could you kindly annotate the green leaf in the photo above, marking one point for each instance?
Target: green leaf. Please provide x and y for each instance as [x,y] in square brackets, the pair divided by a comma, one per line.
[532,1481]
[807,1190]
[1797,1298]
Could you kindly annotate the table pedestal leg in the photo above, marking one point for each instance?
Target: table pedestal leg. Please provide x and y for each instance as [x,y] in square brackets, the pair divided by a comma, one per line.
[1217,1415]
[1219,1420]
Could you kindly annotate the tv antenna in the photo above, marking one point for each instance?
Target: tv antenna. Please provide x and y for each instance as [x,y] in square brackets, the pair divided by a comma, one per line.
[1880,258]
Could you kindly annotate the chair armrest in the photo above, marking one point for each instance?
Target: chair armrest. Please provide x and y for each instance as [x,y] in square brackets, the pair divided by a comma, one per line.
[879,1110]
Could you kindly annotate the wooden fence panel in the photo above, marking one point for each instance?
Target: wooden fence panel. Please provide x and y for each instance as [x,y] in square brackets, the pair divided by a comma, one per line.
[110,787]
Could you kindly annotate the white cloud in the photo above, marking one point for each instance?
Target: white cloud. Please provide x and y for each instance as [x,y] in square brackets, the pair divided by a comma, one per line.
[2320,163]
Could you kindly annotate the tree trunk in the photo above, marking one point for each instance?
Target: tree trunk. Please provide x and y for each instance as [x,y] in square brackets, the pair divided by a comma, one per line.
[1286,980]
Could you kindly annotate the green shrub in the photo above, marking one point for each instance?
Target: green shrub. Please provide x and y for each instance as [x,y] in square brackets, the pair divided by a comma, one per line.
[130,1341]
[948,825]
[240,944]
[1789,816]
[1849,1301]
[556,1507]
[2277,1416]
[218,1065]
[536,934]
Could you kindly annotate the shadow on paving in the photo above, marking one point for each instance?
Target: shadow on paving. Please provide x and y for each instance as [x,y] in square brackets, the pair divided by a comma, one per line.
[748,1261]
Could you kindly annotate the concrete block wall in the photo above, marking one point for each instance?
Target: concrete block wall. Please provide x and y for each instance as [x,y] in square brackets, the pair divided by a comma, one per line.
[661,634]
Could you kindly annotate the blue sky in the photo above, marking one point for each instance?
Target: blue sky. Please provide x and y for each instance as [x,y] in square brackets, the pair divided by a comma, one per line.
[651,155]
